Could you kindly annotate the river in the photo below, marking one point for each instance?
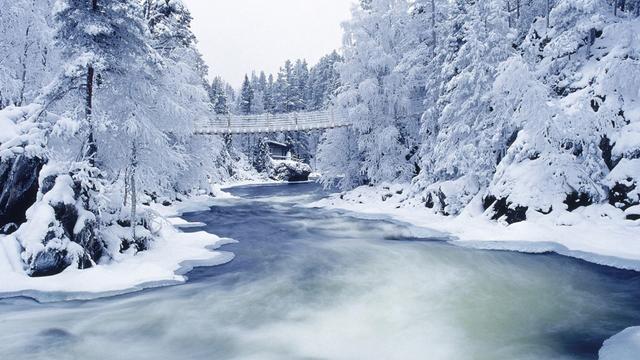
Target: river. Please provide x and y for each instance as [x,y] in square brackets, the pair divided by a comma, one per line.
[320,284]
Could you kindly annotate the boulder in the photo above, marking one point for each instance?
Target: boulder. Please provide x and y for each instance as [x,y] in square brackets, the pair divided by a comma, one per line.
[500,208]
[61,231]
[18,188]
[289,170]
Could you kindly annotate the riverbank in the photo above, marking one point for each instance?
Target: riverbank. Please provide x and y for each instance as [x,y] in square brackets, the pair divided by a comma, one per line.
[173,254]
[598,233]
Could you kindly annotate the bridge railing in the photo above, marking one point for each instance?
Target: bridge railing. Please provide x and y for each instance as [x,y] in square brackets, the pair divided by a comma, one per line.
[263,123]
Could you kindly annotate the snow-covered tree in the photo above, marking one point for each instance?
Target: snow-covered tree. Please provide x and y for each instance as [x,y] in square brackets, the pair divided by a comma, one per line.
[246,96]
[28,58]
[218,96]
[372,93]
[324,80]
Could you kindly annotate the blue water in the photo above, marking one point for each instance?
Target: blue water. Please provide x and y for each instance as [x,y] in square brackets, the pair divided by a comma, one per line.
[316,284]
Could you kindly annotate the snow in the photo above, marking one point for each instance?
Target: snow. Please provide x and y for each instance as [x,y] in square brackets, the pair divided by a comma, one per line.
[167,261]
[628,141]
[598,233]
[20,133]
[9,129]
[295,166]
[623,346]
[626,169]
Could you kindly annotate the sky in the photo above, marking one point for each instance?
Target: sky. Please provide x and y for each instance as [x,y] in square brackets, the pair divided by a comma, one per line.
[238,36]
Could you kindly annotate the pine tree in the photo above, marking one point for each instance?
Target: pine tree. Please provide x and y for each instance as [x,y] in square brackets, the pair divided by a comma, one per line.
[324,80]
[299,82]
[269,103]
[261,156]
[246,96]
[218,96]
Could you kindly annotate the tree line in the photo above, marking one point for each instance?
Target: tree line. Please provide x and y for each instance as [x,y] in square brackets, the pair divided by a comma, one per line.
[296,87]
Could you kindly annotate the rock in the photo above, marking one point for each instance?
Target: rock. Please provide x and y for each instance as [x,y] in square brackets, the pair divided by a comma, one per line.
[619,195]
[451,196]
[48,262]
[575,200]
[18,187]
[441,205]
[71,235]
[502,207]
[288,170]
[633,213]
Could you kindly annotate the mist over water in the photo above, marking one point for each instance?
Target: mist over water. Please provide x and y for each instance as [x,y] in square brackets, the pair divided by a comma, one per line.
[318,284]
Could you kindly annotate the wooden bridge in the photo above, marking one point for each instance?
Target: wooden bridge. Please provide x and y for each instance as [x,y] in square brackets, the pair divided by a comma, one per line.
[272,123]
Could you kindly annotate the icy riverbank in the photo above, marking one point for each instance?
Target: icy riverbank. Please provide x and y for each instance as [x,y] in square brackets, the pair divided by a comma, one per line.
[170,256]
[598,233]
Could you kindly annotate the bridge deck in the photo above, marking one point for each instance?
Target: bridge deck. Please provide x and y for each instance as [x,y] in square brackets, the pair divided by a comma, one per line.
[270,123]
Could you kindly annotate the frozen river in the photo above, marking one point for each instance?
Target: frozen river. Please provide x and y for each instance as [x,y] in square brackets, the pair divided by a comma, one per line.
[317,284]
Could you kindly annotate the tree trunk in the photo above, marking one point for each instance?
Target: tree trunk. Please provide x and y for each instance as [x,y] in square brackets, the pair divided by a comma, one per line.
[548,11]
[518,9]
[126,186]
[509,13]
[134,200]
[91,149]
[23,75]
[433,24]
[592,39]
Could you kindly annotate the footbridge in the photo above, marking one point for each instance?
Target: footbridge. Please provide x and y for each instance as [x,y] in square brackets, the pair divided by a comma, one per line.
[272,123]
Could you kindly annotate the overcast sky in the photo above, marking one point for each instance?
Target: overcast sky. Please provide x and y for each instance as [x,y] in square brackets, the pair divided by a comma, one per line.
[237,36]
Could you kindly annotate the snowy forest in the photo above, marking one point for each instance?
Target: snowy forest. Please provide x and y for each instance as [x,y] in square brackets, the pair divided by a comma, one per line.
[515,106]
[533,105]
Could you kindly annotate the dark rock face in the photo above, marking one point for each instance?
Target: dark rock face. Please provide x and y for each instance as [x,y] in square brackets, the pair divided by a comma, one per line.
[441,198]
[18,187]
[575,200]
[619,196]
[606,148]
[291,171]
[502,207]
[48,262]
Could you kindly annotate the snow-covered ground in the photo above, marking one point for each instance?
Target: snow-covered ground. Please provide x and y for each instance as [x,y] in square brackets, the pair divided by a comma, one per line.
[623,346]
[598,233]
[171,256]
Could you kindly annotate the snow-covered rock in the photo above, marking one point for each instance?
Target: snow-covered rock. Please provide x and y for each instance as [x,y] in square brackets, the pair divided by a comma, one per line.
[60,231]
[450,197]
[289,170]
[21,158]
